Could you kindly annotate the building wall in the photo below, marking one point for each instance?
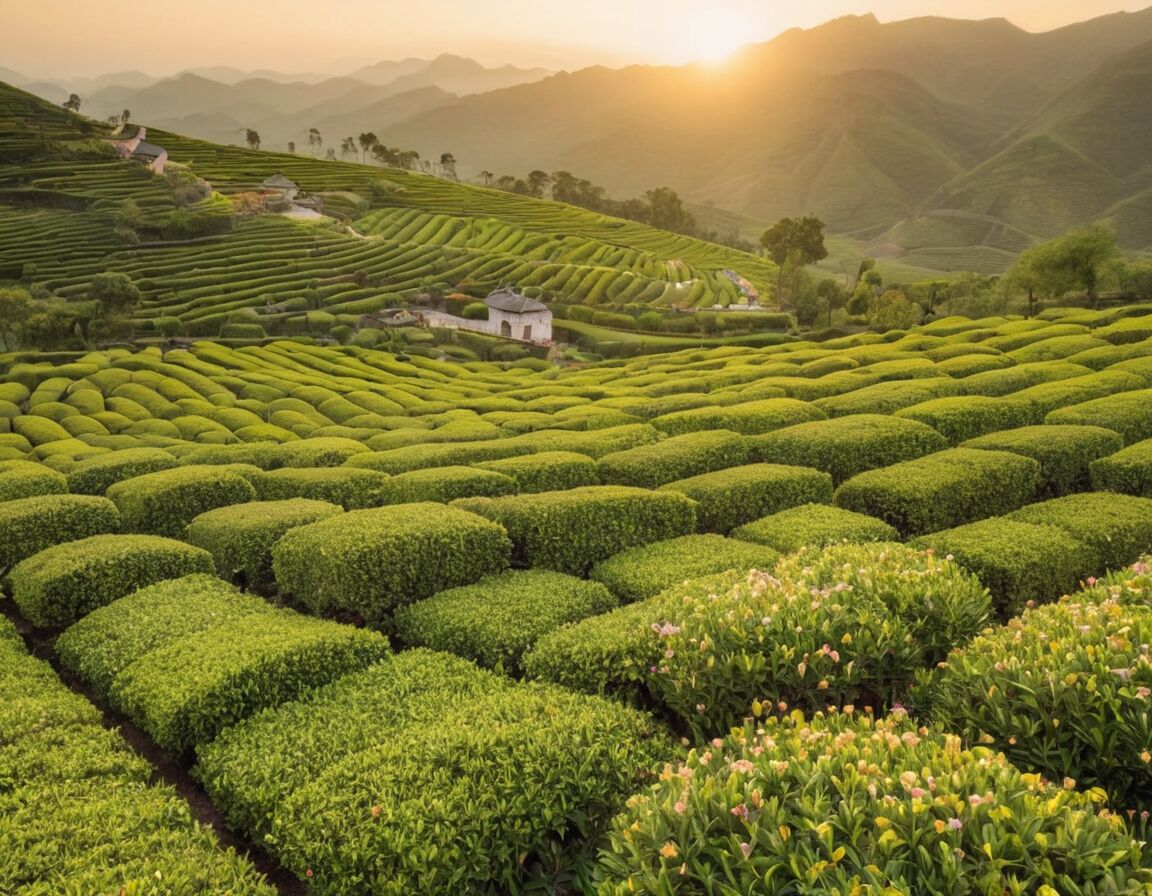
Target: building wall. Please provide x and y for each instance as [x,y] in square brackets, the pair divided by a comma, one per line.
[533,327]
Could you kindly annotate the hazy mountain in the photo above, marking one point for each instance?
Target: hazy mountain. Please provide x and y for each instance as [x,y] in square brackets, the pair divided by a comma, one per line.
[383,73]
[228,75]
[458,75]
[10,76]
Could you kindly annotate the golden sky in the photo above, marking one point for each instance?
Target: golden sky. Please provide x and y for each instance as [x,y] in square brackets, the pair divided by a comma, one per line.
[86,37]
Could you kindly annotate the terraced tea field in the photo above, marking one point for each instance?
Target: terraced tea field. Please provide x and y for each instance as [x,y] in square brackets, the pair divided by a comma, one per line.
[637,627]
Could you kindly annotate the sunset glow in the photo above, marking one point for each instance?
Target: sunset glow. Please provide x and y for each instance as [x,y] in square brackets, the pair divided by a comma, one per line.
[714,35]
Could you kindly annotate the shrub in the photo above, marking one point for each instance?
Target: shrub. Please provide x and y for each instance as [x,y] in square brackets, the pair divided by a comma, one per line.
[240,537]
[846,446]
[548,471]
[27,479]
[843,804]
[1047,397]
[851,623]
[729,498]
[371,561]
[889,397]
[444,484]
[1022,376]
[258,454]
[425,774]
[110,639]
[94,475]
[571,531]
[646,571]
[1118,527]
[747,418]
[1065,453]
[60,584]
[496,620]
[964,417]
[29,525]
[650,466]
[814,525]
[420,457]
[239,670]
[321,452]
[164,503]
[1062,690]
[1128,470]
[942,490]
[1128,413]
[349,488]
[1018,561]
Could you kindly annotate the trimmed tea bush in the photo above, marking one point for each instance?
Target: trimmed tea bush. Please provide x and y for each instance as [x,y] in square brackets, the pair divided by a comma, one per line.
[1063,690]
[496,620]
[1022,376]
[816,525]
[748,418]
[60,584]
[729,498]
[1019,561]
[108,640]
[1065,453]
[1118,527]
[679,457]
[845,446]
[77,812]
[27,479]
[240,537]
[164,503]
[889,397]
[839,803]
[966,417]
[646,571]
[371,561]
[1128,413]
[942,490]
[350,488]
[390,776]
[1047,397]
[93,475]
[420,457]
[239,669]
[446,484]
[29,525]
[319,452]
[571,531]
[1128,470]
[548,471]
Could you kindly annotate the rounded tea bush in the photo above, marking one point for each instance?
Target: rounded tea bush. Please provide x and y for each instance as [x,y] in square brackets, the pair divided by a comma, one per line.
[29,525]
[94,475]
[846,804]
[350,488]
[814,525]
[27,479]
[164,503]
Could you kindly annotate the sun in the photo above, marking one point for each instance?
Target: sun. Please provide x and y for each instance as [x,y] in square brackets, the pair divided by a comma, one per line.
[714,35]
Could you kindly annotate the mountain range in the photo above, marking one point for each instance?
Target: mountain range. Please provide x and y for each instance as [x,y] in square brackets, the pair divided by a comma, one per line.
[941,143]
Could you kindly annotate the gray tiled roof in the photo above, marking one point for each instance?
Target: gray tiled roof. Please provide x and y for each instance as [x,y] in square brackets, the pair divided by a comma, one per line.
[512,302]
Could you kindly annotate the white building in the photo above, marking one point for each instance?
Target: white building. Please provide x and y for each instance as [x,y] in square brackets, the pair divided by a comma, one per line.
[515,316]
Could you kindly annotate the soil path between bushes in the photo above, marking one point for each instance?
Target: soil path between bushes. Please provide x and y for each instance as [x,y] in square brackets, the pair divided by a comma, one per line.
[166,769]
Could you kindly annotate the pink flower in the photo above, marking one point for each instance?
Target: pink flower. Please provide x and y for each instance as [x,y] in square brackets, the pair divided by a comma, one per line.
[743,766]
[680,807]
[741,812]
[955,824]
[917,792]
[746,848]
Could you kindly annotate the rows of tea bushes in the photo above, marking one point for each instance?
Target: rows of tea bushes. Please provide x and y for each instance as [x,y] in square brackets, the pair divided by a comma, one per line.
[79,811]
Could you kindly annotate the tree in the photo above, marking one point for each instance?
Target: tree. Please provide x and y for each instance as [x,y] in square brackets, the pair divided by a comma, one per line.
[73,102]
[315,141]
[124,116]
[804,236]
[292,147]
[252,138]
[448,165]
[16,307]
[487,176]
[892,311]
[114,293]
[348,147]
[366,140]
[1073,261]
[538,182]
[667,211]
[833,296]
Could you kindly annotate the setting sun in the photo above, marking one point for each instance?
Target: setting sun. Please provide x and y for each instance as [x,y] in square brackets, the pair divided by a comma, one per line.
[714,35]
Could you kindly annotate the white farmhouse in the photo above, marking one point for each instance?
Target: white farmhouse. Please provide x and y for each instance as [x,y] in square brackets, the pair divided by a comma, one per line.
[515,316]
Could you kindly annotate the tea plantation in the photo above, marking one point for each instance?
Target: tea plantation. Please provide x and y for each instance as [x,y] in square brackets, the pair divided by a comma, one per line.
[862,616]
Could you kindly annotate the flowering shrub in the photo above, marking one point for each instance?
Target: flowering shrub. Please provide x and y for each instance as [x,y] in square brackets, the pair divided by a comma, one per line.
[93,475]
[350,488]
[548,471]
[942,490]
[1064,690]
[647,570]
[650,466]
[240,537]
[732,497]
[845,446]
[27,479]
[814,525]
[841,804]
[371,561]
[164,503]
[1065,453]
[496,620]
[572,530]
[29,525]
[60,584]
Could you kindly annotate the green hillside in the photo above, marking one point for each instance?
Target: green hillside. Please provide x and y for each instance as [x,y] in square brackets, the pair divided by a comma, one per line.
[403,234]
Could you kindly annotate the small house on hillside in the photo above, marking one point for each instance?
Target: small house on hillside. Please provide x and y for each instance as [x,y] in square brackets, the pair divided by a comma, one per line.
[516,316]
[151,155]
[287,187]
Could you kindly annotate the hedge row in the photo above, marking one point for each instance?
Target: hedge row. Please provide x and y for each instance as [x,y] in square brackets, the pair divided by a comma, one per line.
[547,471]
[350,488]
[1128,413]
[27,479]
[29,525]
[942,490]
[1128,470]
[650,466]
[369,562]
[499,618]
[964,417]
[446,484]
[747,418]
[77,812]
[839,803]
[243,663]
[814,525]
[94,475]
[573,530]
[426,774]
[1065,453]
[164,503]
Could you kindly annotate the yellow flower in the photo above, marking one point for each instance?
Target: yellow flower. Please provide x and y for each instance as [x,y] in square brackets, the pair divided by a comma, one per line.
[669,850]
